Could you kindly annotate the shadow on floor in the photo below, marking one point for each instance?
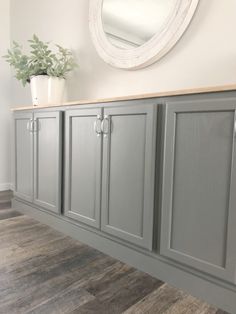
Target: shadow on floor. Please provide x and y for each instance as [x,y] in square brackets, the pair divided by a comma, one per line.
[5,199]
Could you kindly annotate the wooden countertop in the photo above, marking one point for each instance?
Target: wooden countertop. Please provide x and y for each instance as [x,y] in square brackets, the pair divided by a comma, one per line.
[133,97]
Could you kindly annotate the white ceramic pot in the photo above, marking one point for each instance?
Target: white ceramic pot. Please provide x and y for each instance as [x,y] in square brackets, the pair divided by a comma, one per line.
[47,90]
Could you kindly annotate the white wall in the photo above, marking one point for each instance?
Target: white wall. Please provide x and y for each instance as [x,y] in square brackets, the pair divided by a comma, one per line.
[205,56]
[5,91]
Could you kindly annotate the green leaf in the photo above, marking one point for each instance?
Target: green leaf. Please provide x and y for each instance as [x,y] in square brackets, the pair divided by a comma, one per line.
[41,60]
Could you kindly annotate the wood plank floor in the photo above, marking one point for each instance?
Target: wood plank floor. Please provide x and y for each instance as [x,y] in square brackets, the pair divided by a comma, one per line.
[5,199]
[44,271]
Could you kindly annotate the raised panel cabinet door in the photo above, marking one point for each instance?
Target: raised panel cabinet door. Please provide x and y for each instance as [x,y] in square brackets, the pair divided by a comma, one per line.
[23,155]
[47,160]
[83,165]
[199,184]
[128,172]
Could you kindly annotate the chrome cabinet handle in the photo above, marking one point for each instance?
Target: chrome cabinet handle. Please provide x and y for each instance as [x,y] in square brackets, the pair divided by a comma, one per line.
[29,125]
[33,125]
[36,125]
[98,125]
[105,126]
[235,127]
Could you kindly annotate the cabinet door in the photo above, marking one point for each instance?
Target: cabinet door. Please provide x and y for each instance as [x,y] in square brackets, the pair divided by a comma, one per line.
[47,160]
[199,203]
[83,166]
[128,173]
[23,151]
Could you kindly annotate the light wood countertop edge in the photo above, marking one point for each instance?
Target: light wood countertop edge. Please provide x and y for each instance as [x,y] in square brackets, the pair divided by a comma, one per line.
[223,88]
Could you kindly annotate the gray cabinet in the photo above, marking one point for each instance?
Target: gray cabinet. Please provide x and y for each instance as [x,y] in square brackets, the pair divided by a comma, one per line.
[199,184]
[47,160]
[83,165]
[38,158]
[121,141]
[23,161]
[128,173]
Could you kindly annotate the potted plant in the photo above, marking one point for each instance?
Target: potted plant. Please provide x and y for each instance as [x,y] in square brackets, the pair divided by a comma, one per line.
[43,68]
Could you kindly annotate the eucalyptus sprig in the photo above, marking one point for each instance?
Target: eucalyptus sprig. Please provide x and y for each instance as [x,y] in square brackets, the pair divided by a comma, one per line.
[41,60]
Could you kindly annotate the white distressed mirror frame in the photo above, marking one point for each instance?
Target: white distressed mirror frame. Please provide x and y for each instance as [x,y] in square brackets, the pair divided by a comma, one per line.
[152,50]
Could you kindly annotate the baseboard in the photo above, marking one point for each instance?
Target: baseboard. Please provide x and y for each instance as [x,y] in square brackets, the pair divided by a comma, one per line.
[6,187]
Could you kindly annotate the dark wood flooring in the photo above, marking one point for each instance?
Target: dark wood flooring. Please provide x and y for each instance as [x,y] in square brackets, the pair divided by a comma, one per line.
[5,199]
[44,271]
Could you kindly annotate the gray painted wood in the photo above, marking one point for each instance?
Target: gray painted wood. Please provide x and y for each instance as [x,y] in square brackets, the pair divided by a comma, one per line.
[199,186]
[199,276]
[23,159]
[128,173]
[83,167]
[47,160]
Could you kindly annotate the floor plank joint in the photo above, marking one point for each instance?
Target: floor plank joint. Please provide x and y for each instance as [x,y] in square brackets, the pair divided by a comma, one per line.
[44,271]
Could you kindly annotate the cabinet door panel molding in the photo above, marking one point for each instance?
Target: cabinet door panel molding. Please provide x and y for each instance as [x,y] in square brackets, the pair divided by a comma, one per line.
[38,158]
[83,166]
[128,168]
[23,159]
[199,185]
[47,160]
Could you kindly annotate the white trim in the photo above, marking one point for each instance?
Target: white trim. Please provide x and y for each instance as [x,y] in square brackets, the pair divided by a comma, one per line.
[5,186]
[149,52]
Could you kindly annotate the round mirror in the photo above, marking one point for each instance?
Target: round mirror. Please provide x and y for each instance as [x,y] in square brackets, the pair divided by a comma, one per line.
[131,34]
[131,23]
